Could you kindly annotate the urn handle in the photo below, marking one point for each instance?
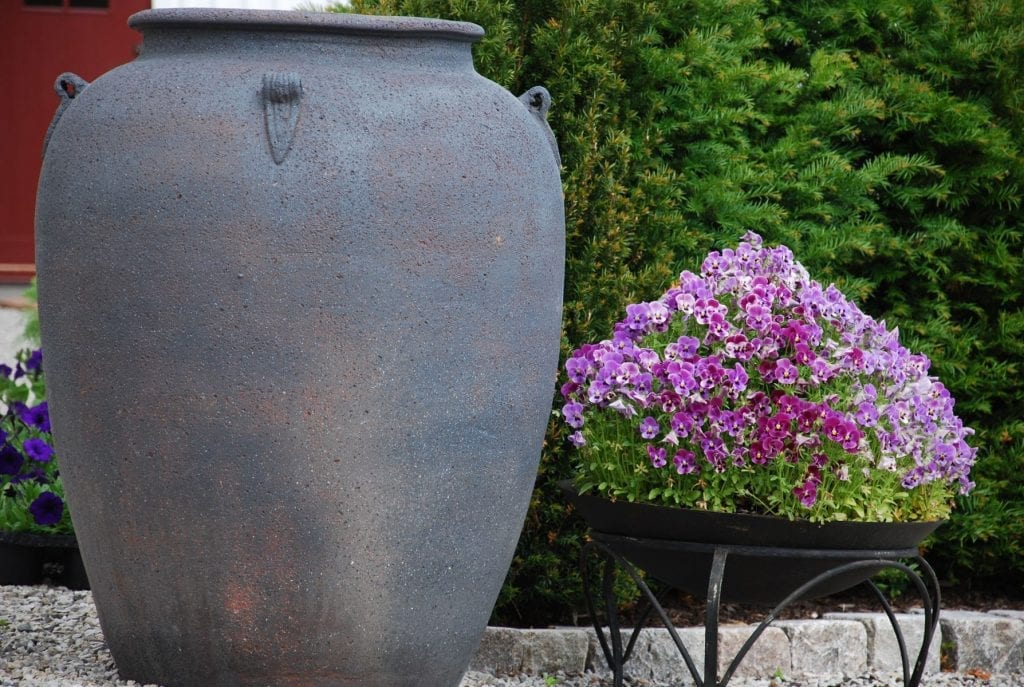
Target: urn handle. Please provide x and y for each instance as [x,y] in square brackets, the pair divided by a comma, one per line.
[68,86]
[538,101]
[282,96]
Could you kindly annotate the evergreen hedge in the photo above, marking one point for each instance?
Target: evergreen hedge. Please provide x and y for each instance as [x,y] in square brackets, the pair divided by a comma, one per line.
[879,139]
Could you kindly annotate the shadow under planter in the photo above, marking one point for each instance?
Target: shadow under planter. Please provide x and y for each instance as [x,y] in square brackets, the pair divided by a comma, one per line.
[38,558]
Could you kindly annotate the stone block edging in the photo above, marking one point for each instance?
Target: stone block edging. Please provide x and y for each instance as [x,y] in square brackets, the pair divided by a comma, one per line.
[839,644]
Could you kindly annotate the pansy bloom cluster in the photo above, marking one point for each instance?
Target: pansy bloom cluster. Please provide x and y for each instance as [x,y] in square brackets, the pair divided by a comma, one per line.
[31,493]
[752,387]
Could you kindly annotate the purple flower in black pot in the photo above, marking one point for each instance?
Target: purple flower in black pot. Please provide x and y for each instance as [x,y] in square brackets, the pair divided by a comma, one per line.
[38,450]
[47,509]
[11,460]
[37,416]
[34,363]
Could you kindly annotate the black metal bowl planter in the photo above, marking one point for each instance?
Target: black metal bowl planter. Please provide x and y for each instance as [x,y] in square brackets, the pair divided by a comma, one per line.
[647,534]
[730,557]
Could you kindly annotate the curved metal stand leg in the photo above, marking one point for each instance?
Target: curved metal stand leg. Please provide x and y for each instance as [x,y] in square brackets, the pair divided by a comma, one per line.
[612,613]
[711,617]
[611,656]
[927,586]
[611,646]
[931,616]
[930,596]
[653,604]
[900,641]
[931,610]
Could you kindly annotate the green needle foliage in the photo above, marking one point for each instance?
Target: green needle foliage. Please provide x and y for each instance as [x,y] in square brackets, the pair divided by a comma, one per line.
[879,139]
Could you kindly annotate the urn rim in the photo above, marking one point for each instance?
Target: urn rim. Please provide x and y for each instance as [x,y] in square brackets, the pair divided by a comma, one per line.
[316,22]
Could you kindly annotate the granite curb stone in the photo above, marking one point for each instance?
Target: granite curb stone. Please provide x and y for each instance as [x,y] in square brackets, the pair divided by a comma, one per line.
[656,657]
[827,647]
[511,651]
[992,642]
[839,644]
[883,652]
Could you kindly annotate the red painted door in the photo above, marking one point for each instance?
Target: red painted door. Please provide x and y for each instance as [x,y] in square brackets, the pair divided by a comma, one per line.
[39,39]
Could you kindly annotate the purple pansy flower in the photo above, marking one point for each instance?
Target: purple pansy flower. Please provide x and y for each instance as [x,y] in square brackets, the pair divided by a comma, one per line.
[649,428]
[637,317]
[786,372]
[573,414]
[657,455]
[751,361]
[778,425]
[807,493]
[867,414]
[577,369]
[685,462]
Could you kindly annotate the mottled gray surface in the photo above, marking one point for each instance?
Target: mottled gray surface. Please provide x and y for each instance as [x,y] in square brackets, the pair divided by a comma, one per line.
[993,641]
[301,292]
[841,645]
[883,649]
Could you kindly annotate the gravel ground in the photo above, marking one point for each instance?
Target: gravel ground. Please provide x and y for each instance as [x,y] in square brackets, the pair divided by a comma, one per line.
[50,637]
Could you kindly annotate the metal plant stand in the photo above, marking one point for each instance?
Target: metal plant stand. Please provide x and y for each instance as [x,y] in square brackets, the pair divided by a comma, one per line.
[846,561]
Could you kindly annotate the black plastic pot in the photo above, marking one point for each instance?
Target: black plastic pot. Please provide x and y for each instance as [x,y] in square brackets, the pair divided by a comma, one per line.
[769,558]
[35,559]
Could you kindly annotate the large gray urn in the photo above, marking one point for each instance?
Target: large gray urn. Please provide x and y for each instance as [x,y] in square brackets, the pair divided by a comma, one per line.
[300,288]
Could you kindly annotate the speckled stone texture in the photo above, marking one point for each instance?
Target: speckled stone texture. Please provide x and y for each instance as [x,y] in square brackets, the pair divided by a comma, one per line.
[838,647]
[985,641]
[511,651]
[656,657]
[883,649]
[300,287]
